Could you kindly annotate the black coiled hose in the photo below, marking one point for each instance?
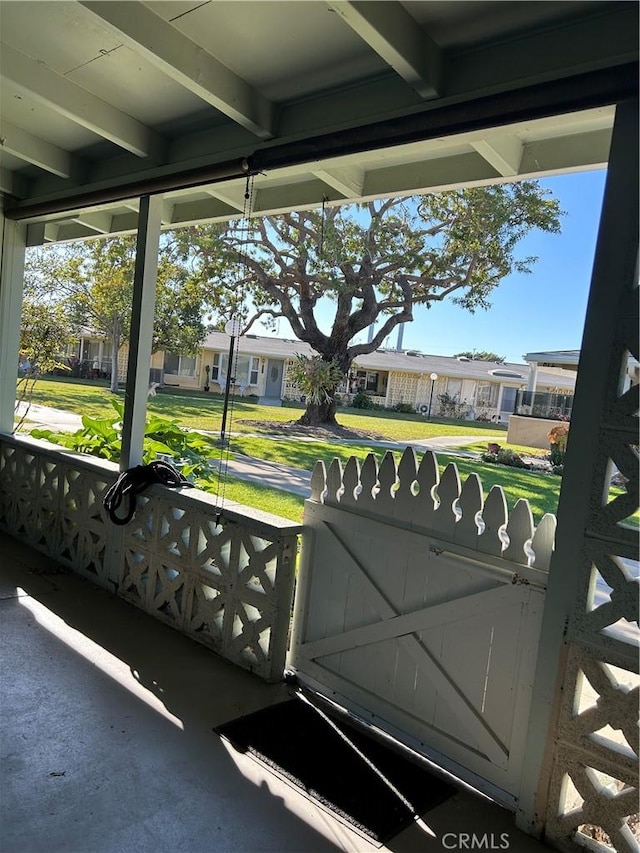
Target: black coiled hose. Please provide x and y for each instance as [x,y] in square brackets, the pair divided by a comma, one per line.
[130,483]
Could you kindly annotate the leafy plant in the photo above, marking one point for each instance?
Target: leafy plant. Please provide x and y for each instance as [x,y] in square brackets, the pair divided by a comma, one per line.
[102,437]
[316,378]
[558,436]
[404,408]
[450,407]
[362,401]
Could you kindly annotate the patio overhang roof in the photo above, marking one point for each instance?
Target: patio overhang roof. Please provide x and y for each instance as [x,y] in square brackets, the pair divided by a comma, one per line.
[371,100]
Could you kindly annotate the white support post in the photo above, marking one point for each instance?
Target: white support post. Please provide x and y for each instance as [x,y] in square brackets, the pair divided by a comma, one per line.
[13,237]
[614,277]
[140,341]
[533,376]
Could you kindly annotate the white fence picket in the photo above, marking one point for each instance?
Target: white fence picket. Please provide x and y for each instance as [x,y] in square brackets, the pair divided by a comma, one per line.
[470,502]
[520,532]
[445,518]
[418,498]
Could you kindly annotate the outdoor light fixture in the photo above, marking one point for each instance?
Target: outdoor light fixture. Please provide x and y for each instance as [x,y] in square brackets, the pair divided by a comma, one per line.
[433,378]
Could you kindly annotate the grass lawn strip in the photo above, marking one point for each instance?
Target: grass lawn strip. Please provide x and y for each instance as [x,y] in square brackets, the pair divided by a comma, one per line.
[204,412]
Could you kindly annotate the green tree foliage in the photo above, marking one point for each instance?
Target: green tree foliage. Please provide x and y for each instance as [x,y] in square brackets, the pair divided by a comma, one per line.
[44,336]
[481,355]
[373,263]
[92,282]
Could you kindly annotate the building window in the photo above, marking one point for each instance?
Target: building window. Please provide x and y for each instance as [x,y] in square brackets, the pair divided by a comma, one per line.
[215,366]
[179,365]
[246,372]
[487,395]
[454,388]
[365,380]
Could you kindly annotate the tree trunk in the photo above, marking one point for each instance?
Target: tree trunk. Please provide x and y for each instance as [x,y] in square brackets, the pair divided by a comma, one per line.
[320,414]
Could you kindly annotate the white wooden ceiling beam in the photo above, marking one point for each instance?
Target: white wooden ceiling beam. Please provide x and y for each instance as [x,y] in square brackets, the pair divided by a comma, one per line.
[395,36]
[12,183]
[166,212]
[503,153]
[39,233]
[35,150]
[186,62]
[348,180]
[235,200]
[73,102]
[99,222]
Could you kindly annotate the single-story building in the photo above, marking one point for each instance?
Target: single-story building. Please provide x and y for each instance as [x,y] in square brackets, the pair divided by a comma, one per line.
[473,389]
[431,384]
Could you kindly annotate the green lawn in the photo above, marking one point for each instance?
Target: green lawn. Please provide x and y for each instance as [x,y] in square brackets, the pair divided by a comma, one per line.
[204,411]
[284,504]
[542,490]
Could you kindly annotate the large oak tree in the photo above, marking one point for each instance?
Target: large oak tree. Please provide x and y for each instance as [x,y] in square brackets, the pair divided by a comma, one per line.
[374,262]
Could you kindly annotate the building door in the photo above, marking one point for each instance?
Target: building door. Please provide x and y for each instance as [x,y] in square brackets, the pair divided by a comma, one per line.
[273,384]
[508,403]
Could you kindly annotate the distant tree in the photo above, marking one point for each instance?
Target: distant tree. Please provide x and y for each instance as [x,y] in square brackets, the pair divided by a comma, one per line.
[45,334]
[92,282]
[371,263]
[473,355]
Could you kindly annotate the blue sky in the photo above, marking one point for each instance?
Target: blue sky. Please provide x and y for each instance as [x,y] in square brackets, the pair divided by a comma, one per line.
[540,311]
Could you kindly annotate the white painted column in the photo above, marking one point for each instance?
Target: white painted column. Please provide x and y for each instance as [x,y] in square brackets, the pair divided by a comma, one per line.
[597,429]
[140,342]
[12,248]
[533,376]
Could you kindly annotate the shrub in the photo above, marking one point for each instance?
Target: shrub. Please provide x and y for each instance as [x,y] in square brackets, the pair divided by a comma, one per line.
[558,444]
[450,407]
[404,408]
[503,456]
[362,401]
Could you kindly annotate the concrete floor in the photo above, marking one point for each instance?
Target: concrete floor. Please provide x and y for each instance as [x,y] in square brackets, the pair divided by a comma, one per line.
[107,744]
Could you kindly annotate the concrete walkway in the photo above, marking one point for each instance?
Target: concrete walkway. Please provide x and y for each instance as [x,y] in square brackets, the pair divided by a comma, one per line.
[274,474]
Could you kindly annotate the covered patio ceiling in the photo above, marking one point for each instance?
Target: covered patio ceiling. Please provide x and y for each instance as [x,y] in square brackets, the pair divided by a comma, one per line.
[322,101]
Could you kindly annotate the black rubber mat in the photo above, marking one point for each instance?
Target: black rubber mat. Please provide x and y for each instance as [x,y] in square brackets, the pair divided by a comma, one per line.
[299,744]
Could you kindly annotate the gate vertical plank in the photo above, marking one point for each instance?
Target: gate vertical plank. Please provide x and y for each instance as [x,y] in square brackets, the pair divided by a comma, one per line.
[519,531]
[369,483]
[405,501]
[428,478]
[388,478]
[444,520]
[334,483]
[543,542]
[351,482]
[494,516]
[470,502]
[318,482]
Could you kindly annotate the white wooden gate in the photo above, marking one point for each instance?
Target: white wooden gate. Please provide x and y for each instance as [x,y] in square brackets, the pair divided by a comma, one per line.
[419,608]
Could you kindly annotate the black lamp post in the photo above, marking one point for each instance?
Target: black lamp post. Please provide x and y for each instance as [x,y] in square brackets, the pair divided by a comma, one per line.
[433,378]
